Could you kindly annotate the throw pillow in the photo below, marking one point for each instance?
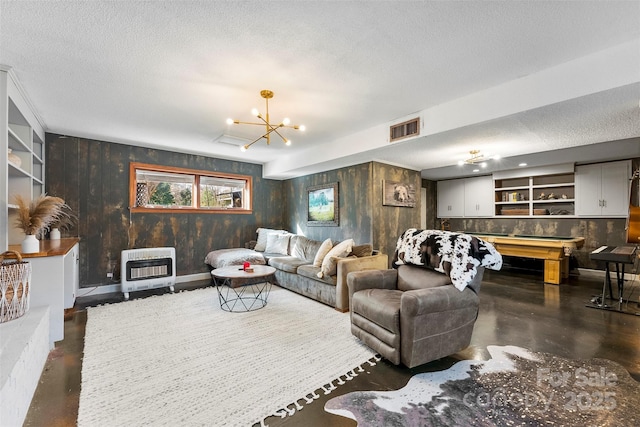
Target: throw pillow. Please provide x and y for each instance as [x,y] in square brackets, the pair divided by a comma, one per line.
[277,244]
[298,249]
[362,250]
[324,249]
[330,262]
[263,233]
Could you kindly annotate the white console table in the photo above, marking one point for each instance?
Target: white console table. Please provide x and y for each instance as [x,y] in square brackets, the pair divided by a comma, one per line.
[54,280]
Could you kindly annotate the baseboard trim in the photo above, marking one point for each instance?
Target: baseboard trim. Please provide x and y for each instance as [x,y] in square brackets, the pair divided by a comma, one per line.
[193,277]
[600,274]
[115,287]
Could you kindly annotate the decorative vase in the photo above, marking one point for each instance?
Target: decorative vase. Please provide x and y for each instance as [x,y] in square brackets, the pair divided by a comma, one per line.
[30,244]
[15,160]
[54,234]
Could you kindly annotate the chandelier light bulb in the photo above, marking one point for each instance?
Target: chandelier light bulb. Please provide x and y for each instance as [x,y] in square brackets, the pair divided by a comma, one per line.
[460,162]
[483,164]
[286,121]
[287,142]
[255,112]
[302,128]
[244,148]
[229,121]
[496,157]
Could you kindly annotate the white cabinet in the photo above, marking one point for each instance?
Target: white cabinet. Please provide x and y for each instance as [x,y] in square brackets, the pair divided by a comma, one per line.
[451,198]
[54,280]
[602,190]
[22,133]
[71,276]
[466,197]
[478,197]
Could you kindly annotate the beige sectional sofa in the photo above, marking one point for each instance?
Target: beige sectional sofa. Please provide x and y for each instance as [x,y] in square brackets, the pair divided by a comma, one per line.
[315,269]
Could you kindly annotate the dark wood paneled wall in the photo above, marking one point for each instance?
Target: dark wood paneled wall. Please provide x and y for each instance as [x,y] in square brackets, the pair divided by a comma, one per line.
[391,221]
[363,217]
[93,178]
[356,210]
[431,205]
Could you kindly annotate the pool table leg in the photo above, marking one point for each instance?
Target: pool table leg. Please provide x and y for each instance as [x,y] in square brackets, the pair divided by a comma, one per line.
[565,268]
[552,271]
[556,270]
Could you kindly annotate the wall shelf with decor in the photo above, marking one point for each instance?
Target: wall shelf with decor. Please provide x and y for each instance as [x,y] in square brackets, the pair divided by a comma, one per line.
[21,154]
[541,192]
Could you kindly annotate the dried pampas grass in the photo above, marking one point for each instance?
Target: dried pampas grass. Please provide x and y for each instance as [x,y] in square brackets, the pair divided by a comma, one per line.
[36,215]
[66,220]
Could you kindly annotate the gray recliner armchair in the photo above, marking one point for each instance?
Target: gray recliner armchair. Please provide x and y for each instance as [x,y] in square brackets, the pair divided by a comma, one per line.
[412,315]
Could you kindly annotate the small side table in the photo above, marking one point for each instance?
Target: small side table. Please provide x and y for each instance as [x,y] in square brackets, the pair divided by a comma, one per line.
[241,291]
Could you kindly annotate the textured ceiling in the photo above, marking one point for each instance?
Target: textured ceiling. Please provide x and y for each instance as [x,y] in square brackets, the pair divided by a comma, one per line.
[514,78]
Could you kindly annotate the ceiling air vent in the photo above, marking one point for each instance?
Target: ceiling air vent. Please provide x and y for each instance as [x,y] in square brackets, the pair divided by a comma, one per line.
[405,129]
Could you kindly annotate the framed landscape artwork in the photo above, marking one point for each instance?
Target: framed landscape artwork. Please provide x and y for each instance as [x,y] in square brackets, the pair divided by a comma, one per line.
[323,205]
[396,193]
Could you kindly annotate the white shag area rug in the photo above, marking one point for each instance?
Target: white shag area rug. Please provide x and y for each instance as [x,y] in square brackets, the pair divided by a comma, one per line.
[179,360]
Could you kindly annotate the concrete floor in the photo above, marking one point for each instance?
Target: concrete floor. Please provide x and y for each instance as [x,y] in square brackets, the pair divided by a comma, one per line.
[516,309]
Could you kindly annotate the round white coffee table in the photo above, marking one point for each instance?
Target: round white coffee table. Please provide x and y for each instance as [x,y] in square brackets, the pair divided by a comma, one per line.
[241,291]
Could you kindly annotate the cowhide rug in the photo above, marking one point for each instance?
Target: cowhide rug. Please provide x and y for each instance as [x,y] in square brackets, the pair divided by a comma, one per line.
[516,387]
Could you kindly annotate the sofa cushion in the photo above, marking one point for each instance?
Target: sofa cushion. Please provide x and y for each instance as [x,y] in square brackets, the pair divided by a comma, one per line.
[411,277]
[362,250]
[328,267]
[305,248]
[311,272]
[380,306]
[237,256]
[289,264]
[278,243]
[263,233]
[323,250]
[292,242]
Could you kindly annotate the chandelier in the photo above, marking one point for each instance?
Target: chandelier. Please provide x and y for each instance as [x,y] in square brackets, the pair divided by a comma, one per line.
[269,127]
[477,159]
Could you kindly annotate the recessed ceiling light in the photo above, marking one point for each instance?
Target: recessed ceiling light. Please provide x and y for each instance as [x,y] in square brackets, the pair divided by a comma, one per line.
[522,164]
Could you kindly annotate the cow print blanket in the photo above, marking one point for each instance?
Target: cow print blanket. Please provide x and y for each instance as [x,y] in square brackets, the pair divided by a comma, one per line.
[457,255]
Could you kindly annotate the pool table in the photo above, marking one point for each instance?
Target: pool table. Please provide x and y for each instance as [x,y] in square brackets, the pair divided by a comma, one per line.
[554,250]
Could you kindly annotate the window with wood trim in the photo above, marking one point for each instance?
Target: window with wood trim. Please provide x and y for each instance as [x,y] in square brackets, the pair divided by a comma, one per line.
[154,188]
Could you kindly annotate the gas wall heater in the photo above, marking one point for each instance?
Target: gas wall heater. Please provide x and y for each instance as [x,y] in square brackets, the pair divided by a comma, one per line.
[147,268]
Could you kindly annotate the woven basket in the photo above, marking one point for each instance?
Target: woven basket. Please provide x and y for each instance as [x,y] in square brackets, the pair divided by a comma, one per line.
[15,277]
